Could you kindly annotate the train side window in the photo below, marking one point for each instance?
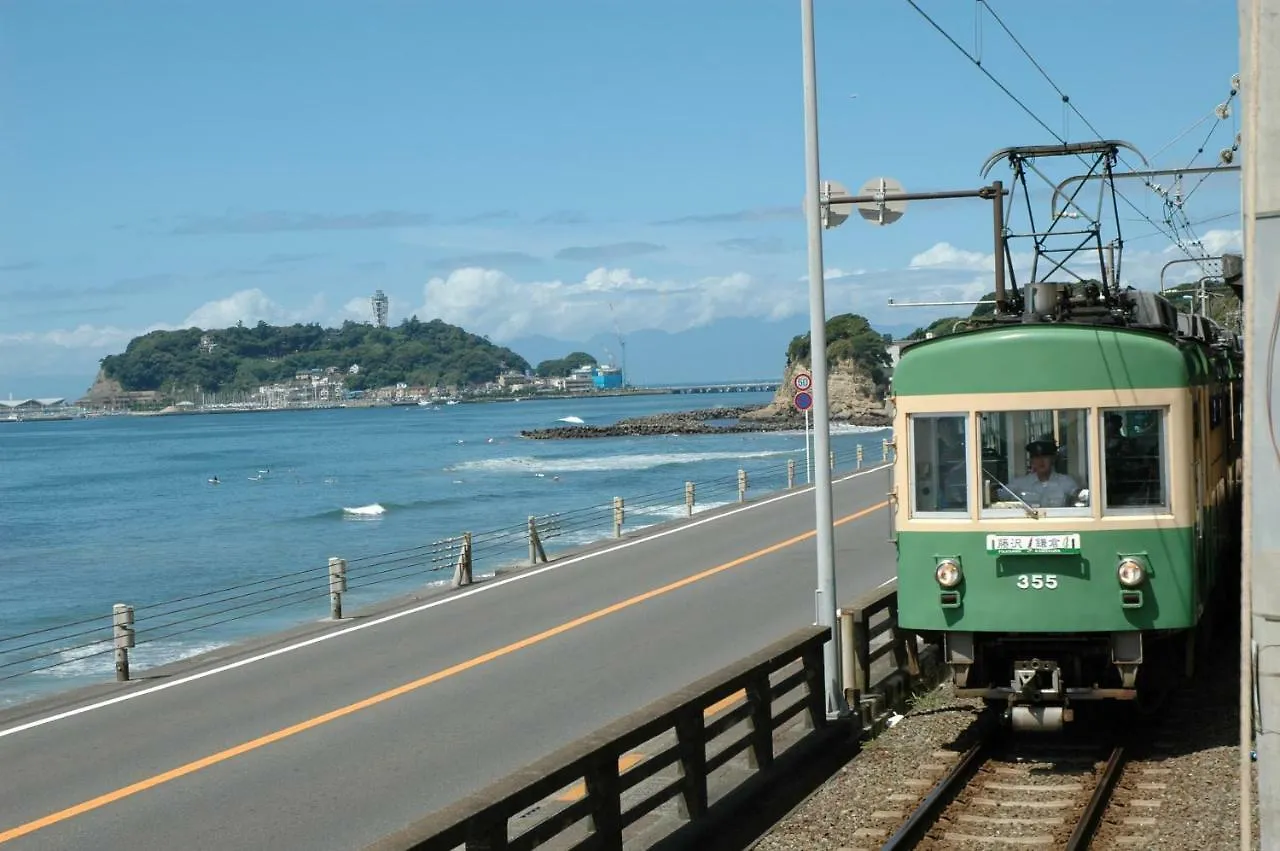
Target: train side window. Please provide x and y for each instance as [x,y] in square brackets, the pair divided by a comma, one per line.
[939,464]
[1035,459]
[1134,466]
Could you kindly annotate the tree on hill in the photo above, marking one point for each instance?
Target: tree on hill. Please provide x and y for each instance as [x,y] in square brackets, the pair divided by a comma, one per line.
[938,328]
[1221,303]
[560,367]
[241,358]
[985,308]
[849,337]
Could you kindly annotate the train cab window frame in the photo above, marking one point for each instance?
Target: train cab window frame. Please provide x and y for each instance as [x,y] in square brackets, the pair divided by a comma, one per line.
[1128,485]
[939,465]
[1010,441]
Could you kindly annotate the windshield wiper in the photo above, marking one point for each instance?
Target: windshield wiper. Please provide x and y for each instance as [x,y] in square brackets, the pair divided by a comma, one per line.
[1031,511]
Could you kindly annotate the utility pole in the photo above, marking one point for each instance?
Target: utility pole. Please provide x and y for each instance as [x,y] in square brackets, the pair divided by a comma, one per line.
[1260,567]
[825,597]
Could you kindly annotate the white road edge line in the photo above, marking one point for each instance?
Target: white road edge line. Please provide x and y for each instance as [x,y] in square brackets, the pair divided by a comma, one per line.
[488,586]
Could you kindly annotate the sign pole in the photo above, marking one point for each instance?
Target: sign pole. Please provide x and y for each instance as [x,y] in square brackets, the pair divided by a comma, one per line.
[803,401]
[824,528]
[808,465]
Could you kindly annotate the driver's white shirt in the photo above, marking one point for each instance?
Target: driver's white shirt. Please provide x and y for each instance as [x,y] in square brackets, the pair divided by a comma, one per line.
[1050,493]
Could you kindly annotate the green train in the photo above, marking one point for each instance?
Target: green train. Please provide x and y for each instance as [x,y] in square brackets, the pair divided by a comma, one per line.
[1067,487]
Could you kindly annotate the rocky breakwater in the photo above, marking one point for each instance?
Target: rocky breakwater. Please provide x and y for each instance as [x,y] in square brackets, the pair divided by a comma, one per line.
[708,421]
[852,399]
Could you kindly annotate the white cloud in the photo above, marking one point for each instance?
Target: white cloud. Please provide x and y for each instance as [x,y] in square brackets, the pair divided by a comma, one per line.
[944,255]
[489,301]
[1217,241]
[95,341]
[492,302]
[250,307]
[80,337]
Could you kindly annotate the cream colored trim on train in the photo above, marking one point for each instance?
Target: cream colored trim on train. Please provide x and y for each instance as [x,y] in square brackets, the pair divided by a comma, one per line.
[1177,450]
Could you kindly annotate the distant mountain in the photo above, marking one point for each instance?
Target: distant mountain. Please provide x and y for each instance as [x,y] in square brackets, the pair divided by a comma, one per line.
[725,350]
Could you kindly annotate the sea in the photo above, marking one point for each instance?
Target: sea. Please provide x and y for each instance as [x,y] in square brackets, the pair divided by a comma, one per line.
[122,510]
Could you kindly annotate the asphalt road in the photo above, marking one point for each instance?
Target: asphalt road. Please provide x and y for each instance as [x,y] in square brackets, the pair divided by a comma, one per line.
[384,719]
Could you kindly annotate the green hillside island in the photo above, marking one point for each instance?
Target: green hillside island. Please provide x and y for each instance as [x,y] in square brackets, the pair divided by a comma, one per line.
[850,339]
[240,361]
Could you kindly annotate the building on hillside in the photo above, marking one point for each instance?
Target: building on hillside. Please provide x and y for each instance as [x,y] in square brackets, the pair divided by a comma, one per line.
[122,399]
[581,380]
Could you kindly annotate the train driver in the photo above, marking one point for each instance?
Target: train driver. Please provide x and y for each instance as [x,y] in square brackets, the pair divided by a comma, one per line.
[1044,487]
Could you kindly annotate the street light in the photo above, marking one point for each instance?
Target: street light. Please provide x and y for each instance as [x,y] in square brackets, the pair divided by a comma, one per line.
[825,596]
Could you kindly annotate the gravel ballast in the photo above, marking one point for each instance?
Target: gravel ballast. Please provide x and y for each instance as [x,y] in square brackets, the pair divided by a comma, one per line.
[1180,791]
[868,798]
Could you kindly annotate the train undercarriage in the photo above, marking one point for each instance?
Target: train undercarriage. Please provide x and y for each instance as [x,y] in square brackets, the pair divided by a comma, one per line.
[1038,678]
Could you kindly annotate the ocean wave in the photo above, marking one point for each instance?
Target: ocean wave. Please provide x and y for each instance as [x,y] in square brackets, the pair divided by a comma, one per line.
[606,463]
[373,510]
[98,660]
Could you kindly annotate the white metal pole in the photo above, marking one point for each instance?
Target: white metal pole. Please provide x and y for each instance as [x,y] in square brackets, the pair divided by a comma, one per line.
[808,466]
[825,531]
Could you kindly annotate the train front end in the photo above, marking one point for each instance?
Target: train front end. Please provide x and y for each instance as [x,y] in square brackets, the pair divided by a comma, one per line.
[1046,514]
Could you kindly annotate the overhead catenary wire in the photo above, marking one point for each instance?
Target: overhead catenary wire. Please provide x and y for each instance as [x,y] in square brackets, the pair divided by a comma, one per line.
[1116,193]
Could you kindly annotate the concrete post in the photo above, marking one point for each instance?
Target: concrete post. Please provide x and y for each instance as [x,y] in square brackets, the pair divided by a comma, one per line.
[791,473]
[742,486]
[462,570]
[535,542]
[847,661]
[859,456]
[337,584]
[688,498]
[122,634]
[619,516]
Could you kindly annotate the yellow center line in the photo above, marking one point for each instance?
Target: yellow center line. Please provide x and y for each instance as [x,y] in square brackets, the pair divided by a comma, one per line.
[724,703]
[383,697]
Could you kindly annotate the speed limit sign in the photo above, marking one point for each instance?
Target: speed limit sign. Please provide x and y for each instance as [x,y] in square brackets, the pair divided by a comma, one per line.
[802,381]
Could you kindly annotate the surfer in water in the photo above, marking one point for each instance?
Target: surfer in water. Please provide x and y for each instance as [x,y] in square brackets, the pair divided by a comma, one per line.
[214,481]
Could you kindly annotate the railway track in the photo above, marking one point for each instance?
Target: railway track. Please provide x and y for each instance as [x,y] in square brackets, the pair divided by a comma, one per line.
[1007,792]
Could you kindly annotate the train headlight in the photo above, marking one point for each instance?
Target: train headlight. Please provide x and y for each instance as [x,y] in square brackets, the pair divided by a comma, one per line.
[1130,572]
[948,573]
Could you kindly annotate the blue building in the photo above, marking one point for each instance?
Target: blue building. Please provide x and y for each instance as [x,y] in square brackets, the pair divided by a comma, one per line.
[607,378]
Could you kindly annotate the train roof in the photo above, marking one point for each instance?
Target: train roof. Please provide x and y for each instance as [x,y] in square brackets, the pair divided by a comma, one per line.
[1150,345]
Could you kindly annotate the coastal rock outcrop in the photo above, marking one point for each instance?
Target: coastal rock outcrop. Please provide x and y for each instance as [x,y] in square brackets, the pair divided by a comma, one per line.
[852,398]
[710,421]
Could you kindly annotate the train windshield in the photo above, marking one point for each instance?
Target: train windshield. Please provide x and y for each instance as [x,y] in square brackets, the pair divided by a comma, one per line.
[1034,460]
[1133,460]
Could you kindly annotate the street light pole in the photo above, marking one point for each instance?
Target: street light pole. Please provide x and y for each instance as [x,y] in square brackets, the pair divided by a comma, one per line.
[825,596]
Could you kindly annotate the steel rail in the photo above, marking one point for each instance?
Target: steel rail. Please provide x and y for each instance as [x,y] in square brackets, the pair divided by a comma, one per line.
[926,814]
[1082,836]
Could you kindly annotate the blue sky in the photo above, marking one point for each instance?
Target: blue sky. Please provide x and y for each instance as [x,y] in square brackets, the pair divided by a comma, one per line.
[550,168]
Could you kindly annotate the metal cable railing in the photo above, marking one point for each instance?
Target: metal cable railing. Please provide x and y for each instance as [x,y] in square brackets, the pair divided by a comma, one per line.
[459,559]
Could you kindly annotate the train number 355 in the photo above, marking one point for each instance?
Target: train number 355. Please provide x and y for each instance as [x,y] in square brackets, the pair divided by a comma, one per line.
[1038,580]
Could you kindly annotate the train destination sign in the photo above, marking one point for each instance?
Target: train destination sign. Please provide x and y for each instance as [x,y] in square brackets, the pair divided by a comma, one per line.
[1033,544]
